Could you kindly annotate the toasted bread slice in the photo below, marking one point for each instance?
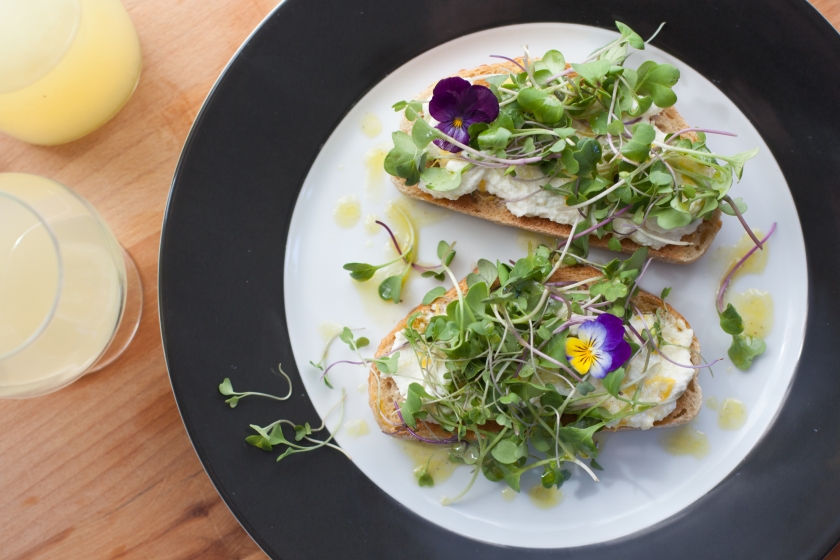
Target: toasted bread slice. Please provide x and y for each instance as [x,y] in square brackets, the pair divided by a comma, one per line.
[491,208]
[383,395]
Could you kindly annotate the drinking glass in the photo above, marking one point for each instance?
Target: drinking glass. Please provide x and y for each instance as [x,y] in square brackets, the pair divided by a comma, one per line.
[66,67]
[70,296]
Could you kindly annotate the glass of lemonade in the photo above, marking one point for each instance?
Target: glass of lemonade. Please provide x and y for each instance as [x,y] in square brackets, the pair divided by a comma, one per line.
[70,297]
[66,67]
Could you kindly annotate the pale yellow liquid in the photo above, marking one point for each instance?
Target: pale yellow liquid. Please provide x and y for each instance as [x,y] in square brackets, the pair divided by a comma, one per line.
[545,498]
[756,309]
[28,287]
[329,330]
[91,292]
[508,494]
[356,428]
[347,211]
[731,254]
[686,441]
[375,183]
[76,82]
[401,214]
[371,125]
[440,468]
[732,415]
[527,240]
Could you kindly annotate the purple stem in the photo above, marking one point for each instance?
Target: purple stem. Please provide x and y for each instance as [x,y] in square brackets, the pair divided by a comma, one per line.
[670,169]
[562,298]
[421,268]
[509,60]
[725,284]
[393,238]
[709,130]
[664,357]
[634,121]
[329,367]
[418,436]
[740,216]
[569,323]
[416,267]
[636,333]
[519,367]
[606,221]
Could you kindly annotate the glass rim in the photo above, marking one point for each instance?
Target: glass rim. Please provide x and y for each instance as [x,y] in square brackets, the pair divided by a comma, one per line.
[59,284]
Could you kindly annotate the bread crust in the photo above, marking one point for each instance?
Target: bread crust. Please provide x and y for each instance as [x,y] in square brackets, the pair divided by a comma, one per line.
[492,208]
[384,397]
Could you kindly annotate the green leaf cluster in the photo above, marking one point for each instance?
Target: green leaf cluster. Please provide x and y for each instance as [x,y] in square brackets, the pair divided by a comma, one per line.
[570,123]
[619,282]
[744,348]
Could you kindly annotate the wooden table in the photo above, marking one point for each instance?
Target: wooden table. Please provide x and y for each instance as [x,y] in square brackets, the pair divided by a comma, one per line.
[104,468]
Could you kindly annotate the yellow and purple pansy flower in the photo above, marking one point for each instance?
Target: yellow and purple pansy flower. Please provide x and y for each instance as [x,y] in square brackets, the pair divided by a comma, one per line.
[599,346]
[456,104]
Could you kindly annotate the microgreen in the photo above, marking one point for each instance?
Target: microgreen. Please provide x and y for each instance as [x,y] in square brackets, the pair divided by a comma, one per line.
[390,289]
[350,340]
[496,376]
[226,388]
[346,336]
[587,130]
[270,436]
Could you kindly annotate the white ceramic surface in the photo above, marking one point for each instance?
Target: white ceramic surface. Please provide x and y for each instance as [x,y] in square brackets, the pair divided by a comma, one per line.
[641,483]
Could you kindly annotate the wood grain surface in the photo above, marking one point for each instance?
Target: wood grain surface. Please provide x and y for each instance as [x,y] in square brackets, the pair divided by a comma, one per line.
[104,468]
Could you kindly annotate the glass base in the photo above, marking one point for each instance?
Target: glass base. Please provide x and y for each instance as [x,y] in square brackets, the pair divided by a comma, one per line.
[130,319]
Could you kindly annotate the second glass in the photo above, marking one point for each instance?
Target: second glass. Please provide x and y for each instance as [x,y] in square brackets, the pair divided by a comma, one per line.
[70,297]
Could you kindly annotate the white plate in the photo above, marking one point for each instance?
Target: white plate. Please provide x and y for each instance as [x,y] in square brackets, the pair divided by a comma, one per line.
[641,484]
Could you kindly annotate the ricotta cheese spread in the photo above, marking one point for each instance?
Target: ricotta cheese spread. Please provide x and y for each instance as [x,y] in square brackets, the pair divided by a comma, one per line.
[663,382]
[409,369]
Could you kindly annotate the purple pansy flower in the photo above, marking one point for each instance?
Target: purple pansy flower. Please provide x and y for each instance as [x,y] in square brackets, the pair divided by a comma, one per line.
[456,104]
[599,347]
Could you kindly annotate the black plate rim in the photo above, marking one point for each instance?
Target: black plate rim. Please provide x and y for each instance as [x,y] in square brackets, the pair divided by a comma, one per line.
[216,480]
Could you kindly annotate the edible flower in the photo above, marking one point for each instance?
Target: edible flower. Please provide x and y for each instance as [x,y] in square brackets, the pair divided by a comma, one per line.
[599,347]
[456,104]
